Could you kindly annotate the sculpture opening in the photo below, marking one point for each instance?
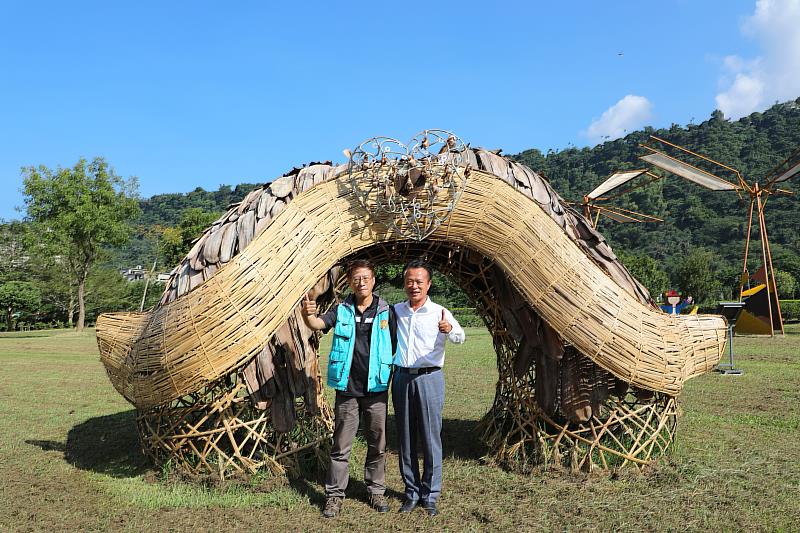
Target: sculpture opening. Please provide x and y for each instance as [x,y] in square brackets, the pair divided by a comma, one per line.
[225,375]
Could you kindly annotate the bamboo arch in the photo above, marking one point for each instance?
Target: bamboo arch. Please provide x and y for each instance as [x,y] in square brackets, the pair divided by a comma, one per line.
[177,361]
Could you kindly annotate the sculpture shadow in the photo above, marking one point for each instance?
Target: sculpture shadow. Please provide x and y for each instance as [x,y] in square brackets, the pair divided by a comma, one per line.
[110,445]
[104,444]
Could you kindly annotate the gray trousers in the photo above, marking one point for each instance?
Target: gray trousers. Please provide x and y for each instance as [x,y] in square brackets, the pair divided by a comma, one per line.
[346,420]
[418,401]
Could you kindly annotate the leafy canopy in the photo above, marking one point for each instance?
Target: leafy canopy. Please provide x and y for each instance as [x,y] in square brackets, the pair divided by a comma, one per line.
[84,207]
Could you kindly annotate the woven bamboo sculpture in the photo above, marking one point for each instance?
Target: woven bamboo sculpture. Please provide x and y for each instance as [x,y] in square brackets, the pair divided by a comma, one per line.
[225,376]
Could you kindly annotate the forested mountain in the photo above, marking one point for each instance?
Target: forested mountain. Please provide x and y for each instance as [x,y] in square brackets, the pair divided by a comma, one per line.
[694,218]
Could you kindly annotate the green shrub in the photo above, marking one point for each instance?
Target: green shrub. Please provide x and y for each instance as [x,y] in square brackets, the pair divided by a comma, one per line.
[790,309]
[467,317]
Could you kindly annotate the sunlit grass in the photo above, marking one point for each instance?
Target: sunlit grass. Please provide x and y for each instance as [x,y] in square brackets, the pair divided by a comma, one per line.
[70,459]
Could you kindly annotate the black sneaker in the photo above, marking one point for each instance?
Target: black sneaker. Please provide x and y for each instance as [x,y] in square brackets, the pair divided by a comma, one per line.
[332,507]
[379,503]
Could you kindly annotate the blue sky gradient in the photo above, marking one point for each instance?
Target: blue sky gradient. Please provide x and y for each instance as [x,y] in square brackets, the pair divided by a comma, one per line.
[197,94]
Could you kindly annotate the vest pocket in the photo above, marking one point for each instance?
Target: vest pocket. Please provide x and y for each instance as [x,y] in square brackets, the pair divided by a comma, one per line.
[340,347]
[336,361]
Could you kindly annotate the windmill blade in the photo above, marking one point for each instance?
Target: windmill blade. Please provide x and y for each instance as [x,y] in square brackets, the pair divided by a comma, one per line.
[687,171]
[624,216]
[615,180]
[640,185]
[789,168]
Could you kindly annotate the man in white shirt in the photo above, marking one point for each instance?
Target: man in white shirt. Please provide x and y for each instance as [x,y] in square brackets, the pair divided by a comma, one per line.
[423,327]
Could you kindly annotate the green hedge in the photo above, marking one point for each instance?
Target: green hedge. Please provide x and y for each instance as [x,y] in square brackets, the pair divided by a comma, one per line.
[467,317]
[790,309]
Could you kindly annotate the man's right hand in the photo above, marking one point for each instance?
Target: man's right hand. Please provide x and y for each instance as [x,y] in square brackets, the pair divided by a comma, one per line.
[308,310]
[309,306]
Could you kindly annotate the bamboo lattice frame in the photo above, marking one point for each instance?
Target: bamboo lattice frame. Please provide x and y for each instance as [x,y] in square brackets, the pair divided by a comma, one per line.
[628,429]
[216,431]
[518,234]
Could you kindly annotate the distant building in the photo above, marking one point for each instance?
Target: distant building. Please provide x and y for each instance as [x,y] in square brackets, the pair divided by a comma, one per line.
[133,274]
[138,273]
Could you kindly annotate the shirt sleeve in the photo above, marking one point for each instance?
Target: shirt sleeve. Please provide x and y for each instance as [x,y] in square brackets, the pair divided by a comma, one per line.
[329,318]
[456,335]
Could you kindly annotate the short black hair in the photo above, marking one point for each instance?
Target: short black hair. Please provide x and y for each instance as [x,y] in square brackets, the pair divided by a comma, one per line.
[418,263]
[359,263]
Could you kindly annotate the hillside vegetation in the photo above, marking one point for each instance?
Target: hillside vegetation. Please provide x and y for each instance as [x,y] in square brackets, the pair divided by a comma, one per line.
[697,249]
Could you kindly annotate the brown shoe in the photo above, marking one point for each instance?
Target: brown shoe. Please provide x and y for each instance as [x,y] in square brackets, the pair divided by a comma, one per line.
[332,507]
[379,503]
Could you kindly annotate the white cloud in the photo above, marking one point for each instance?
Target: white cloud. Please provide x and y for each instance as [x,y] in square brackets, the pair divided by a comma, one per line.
[752,85]
[628,114]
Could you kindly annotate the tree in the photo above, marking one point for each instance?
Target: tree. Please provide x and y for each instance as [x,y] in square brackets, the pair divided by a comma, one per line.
[177,241]
[79,211]
[13,257]
[786,284]
[695,275]
[647,271]
[16,297]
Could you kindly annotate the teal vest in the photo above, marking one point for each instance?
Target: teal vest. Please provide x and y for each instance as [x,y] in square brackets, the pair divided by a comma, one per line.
[344,342]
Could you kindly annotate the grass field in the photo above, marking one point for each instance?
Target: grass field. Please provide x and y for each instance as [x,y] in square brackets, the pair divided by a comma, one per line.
[69,458]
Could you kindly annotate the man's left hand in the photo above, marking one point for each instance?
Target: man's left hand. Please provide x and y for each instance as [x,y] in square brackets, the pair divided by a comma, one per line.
[444,325]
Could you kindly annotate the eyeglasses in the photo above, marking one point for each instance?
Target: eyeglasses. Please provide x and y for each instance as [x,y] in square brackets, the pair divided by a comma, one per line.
[359,279]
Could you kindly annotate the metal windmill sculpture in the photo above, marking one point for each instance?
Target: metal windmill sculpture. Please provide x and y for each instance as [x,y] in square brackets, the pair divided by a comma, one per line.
[758,191]
[596,203]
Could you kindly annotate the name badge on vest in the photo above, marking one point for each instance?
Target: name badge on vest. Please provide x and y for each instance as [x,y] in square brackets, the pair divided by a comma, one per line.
[384,324]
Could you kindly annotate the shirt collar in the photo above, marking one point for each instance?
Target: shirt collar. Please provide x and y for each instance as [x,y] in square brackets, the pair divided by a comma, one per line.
[351,301]
[423,307]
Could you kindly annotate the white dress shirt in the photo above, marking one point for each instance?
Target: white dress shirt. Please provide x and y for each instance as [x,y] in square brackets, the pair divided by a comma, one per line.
[419,341]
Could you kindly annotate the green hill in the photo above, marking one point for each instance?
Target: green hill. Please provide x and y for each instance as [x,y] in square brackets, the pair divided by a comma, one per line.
[694,218]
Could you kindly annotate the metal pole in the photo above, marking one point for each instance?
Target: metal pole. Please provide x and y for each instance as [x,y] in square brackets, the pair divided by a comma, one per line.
[771,270]
[746,248]
[764,257]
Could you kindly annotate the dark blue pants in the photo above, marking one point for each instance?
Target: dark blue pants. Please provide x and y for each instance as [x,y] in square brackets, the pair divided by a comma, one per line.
[418,402]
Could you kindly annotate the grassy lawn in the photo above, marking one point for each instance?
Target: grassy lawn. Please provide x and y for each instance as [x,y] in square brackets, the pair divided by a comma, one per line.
[70,461]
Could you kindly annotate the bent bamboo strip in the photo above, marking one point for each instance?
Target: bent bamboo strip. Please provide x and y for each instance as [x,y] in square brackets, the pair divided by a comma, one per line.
[179,347]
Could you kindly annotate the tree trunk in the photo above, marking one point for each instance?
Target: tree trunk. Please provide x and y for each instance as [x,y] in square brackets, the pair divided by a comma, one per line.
[81,303]
[8,318]
[71,308]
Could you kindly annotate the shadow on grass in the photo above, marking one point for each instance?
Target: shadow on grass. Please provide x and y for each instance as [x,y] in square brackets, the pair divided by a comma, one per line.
[104,444]
[459,438]
[110,445]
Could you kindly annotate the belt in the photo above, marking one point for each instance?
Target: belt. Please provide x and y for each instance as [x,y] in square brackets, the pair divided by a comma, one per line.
[417,370]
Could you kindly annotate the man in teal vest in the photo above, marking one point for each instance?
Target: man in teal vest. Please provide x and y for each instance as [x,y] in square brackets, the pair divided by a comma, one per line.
[359,369]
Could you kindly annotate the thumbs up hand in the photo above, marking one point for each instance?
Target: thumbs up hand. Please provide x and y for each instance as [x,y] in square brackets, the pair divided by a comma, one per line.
[309,306]
[444,325]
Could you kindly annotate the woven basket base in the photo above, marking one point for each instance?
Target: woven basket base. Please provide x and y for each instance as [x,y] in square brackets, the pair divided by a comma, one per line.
[217,432]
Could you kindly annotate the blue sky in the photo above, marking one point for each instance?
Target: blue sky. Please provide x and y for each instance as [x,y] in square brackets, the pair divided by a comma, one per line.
[198,94]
